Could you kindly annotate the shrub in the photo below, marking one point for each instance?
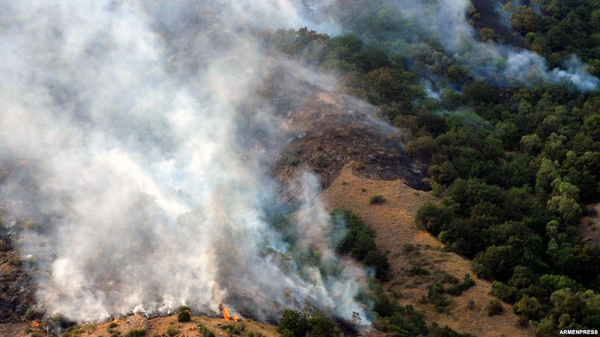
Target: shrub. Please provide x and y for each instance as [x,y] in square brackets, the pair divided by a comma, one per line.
[30,314]
[433,218]
[292,161]
[58,322]
[360,243]
[135,333]
[376,199]
[495,308]
[205,332]
[418,270]
[171,331]
[183,314]
[436,296]
[293,321]
[287,333]
[408,247]
[504,292]
[322,326]
[458,289]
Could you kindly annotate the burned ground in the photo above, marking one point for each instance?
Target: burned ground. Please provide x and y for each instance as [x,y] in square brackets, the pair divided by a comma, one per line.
[329,132]
[16,289]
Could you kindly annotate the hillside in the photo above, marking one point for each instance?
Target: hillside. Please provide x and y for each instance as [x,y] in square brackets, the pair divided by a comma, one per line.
[394,223]
[401,168]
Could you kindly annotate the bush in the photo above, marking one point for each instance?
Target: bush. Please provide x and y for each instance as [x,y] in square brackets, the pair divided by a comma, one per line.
[135,333]
[183,314]
[171,331]
[295,322]
[424,146]
[292,161]
[205,332]
[30,314]
[495,308]
[58,322]
[433,219]
[360,243]
[376,199]
[418,270]
[287,333]
[322,326]
[436,296]
[458,289]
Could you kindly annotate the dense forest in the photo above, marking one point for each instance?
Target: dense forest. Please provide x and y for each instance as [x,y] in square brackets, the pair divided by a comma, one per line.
[514,163]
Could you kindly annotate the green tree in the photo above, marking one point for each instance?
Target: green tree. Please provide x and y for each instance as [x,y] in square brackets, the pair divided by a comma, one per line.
[295,322]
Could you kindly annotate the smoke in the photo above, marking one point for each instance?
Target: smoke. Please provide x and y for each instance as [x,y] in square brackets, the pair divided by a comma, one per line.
[446,21]
[127,128]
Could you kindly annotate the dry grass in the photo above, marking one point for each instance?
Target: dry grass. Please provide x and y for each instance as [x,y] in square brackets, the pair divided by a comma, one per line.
[393,222]
[153,326]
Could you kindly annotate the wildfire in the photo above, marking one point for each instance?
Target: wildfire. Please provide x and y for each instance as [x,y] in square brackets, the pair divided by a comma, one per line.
[35,324]
[226,315]
[116,321]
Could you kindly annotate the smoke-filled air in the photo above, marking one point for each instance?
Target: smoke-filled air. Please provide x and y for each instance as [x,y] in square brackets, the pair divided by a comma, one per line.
[126,121]
[138,139]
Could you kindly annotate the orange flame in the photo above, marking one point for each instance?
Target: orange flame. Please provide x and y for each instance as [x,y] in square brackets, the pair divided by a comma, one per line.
[236,318]
[35,324]
[225,313]
[116,321]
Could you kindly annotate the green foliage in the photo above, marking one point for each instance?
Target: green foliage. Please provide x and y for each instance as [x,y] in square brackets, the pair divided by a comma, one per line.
[514,164]
[495,308]
[376,199]
[58,322]
[295,322]
[322,326]
[183,314]
[529,307]
[424,146]
[292,161]
[458,289]
[433,219]
[135,333]
[437,331]
[171,331]
[205,332]
[360,243]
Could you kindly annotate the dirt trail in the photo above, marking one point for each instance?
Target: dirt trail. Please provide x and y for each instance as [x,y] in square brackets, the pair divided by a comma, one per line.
[393,222]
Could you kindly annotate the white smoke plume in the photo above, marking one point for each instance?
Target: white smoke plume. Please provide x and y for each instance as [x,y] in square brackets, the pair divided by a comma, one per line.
[123,126]
[447,22]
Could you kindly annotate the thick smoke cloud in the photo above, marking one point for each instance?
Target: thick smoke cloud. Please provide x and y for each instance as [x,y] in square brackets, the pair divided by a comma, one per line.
[124,128]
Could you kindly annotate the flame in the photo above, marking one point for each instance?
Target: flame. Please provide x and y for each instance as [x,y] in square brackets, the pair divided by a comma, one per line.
[116,321]
[35,324]
[225,312]
[236,318]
